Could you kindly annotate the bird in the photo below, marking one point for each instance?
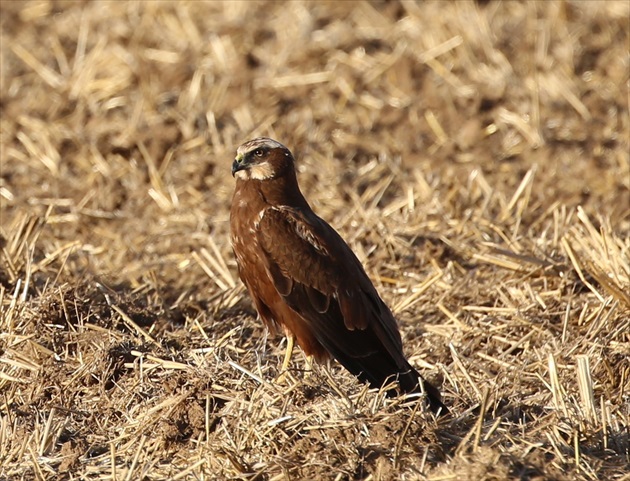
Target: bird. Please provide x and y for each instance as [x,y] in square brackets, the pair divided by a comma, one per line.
[302,276]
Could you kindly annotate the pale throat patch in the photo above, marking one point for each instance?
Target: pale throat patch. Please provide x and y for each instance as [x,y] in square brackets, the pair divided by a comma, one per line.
[261,171]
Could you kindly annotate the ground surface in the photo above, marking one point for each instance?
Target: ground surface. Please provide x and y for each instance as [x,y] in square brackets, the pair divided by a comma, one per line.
[474,155]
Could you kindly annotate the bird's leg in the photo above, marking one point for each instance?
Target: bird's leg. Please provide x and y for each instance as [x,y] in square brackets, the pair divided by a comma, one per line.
[287,358]
[308,372]
[288,353]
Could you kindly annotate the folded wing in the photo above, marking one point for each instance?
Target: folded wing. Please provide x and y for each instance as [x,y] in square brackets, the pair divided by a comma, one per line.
[320,278]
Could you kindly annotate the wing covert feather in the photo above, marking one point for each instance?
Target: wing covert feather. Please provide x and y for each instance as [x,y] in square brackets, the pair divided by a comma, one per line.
[328,286]
[294,251]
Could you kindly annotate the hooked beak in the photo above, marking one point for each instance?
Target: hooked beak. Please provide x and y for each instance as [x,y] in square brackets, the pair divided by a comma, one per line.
[238,164]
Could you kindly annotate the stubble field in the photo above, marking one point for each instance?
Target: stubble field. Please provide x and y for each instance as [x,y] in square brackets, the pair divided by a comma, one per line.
[475,155]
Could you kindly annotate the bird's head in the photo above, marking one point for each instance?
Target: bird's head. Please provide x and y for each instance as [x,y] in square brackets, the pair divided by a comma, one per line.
[261,159]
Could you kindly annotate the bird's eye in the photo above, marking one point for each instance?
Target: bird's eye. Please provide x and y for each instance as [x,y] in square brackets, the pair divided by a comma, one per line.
[259,152]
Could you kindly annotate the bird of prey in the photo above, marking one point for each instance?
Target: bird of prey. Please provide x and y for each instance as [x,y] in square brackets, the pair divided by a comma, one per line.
[303,277]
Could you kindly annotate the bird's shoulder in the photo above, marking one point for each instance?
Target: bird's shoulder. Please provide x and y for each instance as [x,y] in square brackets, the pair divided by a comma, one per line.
[282,224]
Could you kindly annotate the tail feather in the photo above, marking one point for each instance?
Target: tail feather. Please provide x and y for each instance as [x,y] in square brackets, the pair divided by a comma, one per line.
[365,354]
[379,368]
[412,382]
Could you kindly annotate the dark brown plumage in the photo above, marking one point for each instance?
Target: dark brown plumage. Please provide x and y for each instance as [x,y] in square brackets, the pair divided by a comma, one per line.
[304,278]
